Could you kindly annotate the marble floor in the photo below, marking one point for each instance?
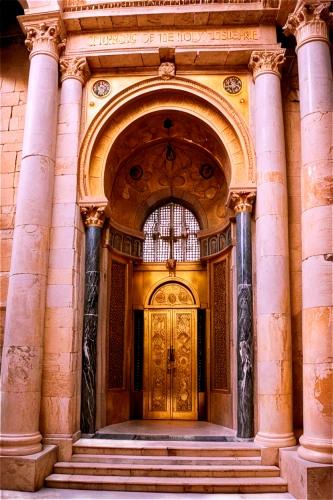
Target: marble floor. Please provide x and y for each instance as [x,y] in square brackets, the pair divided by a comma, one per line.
[168,427]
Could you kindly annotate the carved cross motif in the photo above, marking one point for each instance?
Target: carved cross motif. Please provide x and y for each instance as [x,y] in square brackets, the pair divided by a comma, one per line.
[267,62]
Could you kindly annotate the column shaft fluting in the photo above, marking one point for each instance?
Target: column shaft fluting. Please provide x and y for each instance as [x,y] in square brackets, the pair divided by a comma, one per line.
[245,416]
[23,342]
[90,322]
[272,256]
[316,103]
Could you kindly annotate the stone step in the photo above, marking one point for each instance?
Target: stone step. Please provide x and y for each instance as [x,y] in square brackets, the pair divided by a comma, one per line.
[122,469]
[165,460]
[168,485]
[146,448]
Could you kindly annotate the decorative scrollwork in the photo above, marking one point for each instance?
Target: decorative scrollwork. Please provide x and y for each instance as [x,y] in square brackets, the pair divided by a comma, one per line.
[44,39]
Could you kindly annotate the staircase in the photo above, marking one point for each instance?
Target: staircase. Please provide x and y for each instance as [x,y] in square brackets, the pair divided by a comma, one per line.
[157,466]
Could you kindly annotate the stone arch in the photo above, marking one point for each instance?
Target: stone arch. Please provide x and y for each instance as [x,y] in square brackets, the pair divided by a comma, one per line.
[178,94]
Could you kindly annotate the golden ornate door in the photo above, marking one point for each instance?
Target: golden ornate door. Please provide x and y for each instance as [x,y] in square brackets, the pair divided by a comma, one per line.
[170,374]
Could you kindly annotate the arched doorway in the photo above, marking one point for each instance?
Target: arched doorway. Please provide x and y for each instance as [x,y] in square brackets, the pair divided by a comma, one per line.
[170,354]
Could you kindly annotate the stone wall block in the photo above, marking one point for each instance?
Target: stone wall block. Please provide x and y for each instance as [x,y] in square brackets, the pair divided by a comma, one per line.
[59,317]
[58,339]
[39,172]
[65,188]
[7,161]
[59,296]
[43,75]
[67,111]
[58,384]
[270,138]
[55,415]
[272,161]
[317,282]
[29,256]
[272,200]
[5,117]
[26,292]
[317,223]
[278,342]
[271,272]
[318,145]
[21,368]
[67,145]
[317,333]
[61,258]
[62,237]
[60,277]
[63,214]
[66,165]
[9,99]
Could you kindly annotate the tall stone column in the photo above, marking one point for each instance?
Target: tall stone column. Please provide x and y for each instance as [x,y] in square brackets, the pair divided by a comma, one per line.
[23,342]
[242,204]
[309,24]
[272,255]
[94,219]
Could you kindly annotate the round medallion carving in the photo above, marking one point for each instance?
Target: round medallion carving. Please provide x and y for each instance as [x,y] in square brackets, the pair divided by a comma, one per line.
[101,88]
[136,172]
[172,298]
[160,298]
[232,85]
[206,171]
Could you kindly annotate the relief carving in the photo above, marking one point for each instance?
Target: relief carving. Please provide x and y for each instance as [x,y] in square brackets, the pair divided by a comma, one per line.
[172,295]
[267,62]
[158,362]
[74,68]
[45,40]
[242,201]
[167,70]
[93,216]
[183,370]
[309,22]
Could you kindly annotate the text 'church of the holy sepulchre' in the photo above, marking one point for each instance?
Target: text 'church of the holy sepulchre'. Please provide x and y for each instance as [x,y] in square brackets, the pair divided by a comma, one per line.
[167,248]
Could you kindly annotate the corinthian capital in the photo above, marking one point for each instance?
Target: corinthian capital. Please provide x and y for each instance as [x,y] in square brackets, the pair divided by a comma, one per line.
[76,68]
[309,22]
[267,62]
[45,35]
[93,216]
[242,201]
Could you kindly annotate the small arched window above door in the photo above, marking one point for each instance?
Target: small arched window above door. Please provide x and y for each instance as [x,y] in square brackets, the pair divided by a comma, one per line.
[171,233]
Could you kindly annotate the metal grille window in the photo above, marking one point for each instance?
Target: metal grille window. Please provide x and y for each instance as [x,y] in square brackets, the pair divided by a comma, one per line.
[171,233]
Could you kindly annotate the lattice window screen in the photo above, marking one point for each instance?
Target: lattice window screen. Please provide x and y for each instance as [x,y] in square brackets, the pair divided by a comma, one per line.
[164,223]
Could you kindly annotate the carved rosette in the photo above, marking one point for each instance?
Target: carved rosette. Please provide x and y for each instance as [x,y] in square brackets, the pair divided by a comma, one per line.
[76,68]
[44,39]
[167,70]
[93,216]
[309,22]
[242,201]
[267,62]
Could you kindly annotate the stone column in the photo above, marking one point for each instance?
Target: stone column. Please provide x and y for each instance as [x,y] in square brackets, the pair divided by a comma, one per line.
[94,220]
[309,24]
[23,342]
[242,205]
[272,255]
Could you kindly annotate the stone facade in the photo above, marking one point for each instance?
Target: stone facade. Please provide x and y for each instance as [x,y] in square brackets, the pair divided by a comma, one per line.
[84,161]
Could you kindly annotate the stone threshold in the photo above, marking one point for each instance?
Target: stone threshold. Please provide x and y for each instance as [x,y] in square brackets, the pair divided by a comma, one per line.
[164,437]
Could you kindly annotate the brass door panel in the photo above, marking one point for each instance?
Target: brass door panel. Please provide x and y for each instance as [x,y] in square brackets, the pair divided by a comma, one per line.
[170,373]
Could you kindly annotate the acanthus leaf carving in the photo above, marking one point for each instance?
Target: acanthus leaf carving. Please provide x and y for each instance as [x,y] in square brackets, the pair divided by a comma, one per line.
[74,68]
[242,201]
[93,216]
[267,62]
[309,22]
[44,39]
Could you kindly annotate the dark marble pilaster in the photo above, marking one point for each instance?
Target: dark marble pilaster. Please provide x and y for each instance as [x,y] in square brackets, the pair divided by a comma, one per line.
[242,204]
[90,320]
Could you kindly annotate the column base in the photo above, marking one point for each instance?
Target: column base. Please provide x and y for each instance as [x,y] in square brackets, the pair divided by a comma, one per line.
[20,444]
[305,479]
[275,440]
[316,450]
[27,473]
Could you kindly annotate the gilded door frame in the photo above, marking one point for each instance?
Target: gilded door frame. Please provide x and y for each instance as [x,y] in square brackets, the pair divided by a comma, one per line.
[186,302]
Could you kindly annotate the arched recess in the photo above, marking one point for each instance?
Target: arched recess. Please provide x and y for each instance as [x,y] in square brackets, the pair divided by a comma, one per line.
[174,281]
[178,94]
